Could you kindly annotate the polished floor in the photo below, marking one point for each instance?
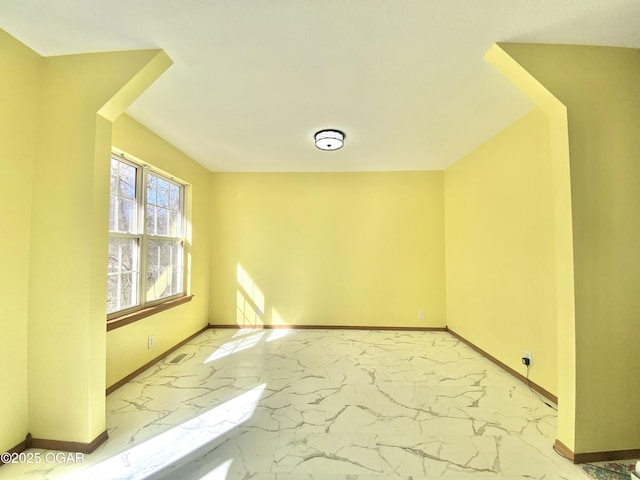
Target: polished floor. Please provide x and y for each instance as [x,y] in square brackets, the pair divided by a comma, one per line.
[322,404]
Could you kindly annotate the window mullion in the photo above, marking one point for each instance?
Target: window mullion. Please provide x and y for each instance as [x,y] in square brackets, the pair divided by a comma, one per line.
[119,279]
[123,235]
[183,237]
[164,238]
[142,230]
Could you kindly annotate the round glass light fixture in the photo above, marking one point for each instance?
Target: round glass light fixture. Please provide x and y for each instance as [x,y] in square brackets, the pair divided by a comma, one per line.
[329,139]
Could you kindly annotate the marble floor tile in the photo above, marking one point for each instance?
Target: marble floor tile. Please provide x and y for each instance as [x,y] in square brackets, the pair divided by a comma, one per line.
[322,405]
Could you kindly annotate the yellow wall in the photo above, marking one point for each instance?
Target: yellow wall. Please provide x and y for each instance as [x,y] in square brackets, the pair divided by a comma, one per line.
[328,248]
[500,248]
[556,112]
[67,294]
[127,346]
[20,85]
[56,191]
[600,88]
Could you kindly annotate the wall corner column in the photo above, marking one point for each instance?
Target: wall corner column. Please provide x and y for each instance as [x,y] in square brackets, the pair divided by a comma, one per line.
[81,96]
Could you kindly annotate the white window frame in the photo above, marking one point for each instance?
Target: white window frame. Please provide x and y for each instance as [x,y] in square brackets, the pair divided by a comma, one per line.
[142,237]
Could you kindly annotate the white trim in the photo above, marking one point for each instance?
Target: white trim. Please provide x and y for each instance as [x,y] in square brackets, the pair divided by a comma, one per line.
[143,170]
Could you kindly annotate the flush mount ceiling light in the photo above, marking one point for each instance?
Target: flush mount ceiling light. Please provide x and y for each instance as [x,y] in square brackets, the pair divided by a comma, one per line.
[329,139]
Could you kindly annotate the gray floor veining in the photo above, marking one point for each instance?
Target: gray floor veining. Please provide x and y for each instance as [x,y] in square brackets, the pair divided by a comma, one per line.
[326,405]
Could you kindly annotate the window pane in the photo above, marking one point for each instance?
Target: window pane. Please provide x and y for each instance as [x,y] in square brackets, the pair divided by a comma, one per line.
[164,268]
[163,192]
[150,220]
[127,177]
[113,186]
[126,215]
[151,189]
[113,202]
[121,292]
[123,271]
[174,197]
[113,298]
[123,210]
[163,221]
[175,223]
[123,254]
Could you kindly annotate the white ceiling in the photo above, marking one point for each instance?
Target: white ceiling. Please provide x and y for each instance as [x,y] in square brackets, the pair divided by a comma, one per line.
[253,80]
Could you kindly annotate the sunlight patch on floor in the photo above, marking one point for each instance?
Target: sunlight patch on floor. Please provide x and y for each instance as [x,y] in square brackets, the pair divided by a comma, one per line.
[165,449]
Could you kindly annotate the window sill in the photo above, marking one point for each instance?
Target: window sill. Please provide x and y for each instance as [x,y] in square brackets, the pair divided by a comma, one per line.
[128,318]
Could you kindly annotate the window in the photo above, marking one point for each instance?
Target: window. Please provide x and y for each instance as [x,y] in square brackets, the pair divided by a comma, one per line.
[146,237]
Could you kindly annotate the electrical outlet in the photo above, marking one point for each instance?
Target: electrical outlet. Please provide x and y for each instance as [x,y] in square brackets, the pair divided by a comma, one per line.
[150,342]
[420,314]
[527,358]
